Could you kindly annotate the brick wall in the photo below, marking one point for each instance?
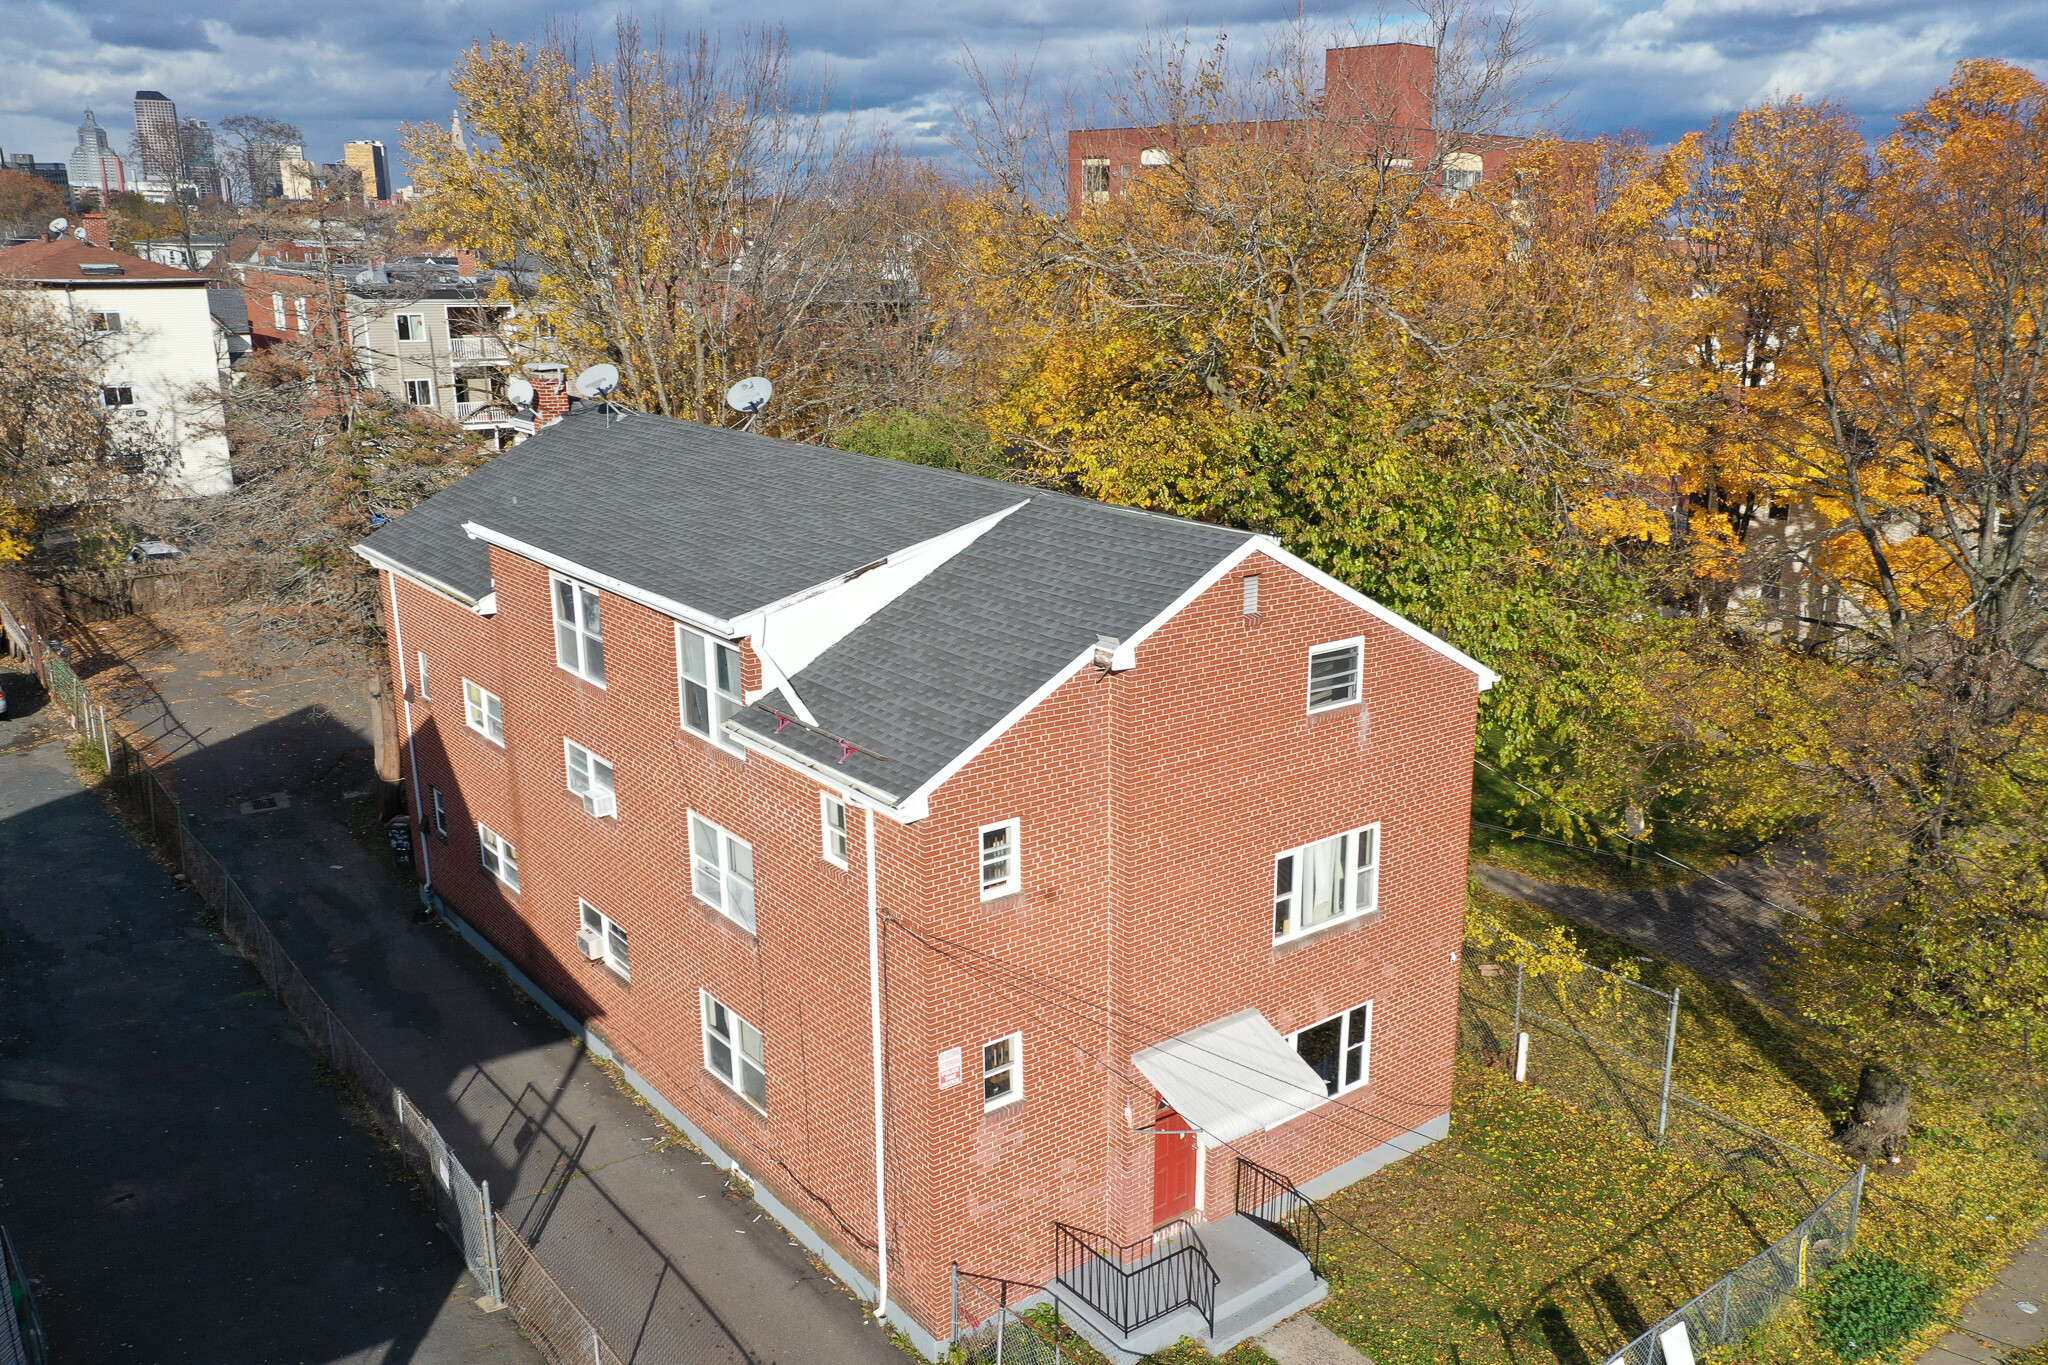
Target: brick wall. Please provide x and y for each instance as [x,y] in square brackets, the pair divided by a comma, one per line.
[1151,803]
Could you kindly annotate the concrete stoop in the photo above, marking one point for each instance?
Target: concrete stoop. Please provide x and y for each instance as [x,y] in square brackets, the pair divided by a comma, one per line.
[1261,1281]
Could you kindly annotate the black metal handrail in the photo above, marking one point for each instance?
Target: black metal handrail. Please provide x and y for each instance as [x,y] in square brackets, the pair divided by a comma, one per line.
[1269,1199]
[1132,1284]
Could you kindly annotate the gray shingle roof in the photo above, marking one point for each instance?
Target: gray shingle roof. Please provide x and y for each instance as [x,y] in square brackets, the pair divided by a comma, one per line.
[716,519]
[726,522]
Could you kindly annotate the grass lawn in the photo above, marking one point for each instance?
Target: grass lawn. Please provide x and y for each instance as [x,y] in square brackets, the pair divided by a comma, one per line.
[1552,1227]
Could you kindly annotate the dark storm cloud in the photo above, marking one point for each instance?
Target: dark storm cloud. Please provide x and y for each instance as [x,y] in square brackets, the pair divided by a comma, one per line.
[346,70]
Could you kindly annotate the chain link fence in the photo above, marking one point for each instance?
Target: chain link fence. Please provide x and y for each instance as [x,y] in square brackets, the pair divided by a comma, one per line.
[507,1269]
[989,1329]
[21,1326]
[1744,1300]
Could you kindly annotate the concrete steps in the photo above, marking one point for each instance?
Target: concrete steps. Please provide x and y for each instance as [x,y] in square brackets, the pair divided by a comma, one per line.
[1261,1281]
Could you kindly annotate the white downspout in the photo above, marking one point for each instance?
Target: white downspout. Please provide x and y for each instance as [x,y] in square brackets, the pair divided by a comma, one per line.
[875,1039]
[412,754]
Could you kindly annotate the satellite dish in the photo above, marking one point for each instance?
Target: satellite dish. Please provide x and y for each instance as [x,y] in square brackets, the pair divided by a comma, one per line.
[598,381]
[81,234]
[519,393]
[749,395]
[59,225]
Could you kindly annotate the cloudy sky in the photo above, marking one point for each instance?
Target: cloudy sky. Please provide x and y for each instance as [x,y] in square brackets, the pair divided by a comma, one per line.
[359,69]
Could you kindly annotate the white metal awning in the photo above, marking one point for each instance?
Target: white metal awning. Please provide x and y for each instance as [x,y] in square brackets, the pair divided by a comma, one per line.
[1231,1077]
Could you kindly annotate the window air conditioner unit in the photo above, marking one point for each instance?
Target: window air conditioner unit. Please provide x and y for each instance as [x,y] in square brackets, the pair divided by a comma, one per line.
[590,944]
[601,803]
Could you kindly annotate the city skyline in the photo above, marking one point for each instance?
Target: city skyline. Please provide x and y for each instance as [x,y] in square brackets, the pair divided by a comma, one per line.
[1659,66]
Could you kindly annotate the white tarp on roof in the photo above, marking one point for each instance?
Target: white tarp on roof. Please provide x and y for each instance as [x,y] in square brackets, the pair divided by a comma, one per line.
[1231,1077]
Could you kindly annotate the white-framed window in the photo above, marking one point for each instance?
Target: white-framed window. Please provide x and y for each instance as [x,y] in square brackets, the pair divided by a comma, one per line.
[590,778]
[1321,883]
[299,307]
[735,1052]
[103,322]
[1002,1072]
[722,871]
[710,672]
[425,695]
[277,310]
[602,940]
[1095,179]
[117,395]
[1333,674]
[500,859]
[420,392]
[832,824]
[484,712]
[1002,872]
[440,813]
[1339,1049]
[579,631]
[412,326]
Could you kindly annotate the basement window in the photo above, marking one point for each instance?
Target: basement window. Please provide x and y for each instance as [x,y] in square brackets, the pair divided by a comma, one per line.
[735,1052]
[420,392]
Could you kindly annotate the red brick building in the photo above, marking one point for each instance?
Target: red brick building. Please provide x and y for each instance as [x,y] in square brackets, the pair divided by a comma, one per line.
[1379,103]
[948,855]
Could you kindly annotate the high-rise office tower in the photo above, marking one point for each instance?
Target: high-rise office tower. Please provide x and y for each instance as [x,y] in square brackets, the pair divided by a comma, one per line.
[367,159]
[94,163]
[202,166]
[157,140]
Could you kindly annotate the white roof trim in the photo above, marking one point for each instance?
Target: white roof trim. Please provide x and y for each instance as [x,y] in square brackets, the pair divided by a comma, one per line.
[414,577]
[1232,1077]
[1486,676]
[655,601]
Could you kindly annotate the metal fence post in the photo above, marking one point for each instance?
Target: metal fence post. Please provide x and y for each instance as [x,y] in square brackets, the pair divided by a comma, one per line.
[1670,1052]
[105,747]
[1727,1302]
[496,1285]
[1855,1203]
[1516,1027]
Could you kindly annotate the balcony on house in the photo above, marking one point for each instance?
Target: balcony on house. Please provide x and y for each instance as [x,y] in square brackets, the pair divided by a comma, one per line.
[476,350]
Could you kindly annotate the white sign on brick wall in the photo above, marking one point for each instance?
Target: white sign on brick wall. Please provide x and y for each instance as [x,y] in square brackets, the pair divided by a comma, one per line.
[949,1068]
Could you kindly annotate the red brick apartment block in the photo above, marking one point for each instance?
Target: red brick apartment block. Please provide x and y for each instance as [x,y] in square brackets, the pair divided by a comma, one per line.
[1378,102]
[952,857]
[284,305]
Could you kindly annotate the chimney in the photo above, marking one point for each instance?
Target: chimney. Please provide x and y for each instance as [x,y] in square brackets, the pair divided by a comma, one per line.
[1391,83]
[95,225]
[465,264]
[550,393]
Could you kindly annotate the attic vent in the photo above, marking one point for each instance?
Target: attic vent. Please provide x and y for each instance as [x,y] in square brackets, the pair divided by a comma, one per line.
[102,268]
[1251,594]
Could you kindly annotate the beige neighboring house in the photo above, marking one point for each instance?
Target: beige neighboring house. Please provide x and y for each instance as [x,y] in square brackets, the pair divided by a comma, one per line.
[439,346]
[161,342]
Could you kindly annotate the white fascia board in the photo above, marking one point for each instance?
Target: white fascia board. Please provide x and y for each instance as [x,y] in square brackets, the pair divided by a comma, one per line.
[1486,676]
[415,577]
[805,624]
[487,605]
[922,796]
[570,568]
[903,812]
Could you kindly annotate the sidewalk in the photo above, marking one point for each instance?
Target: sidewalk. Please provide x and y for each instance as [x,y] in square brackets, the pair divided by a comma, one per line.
[646,1241]
[2010,1315]
[175,1174]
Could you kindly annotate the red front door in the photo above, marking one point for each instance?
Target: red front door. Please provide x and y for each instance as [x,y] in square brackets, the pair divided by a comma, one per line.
[1173,1167]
